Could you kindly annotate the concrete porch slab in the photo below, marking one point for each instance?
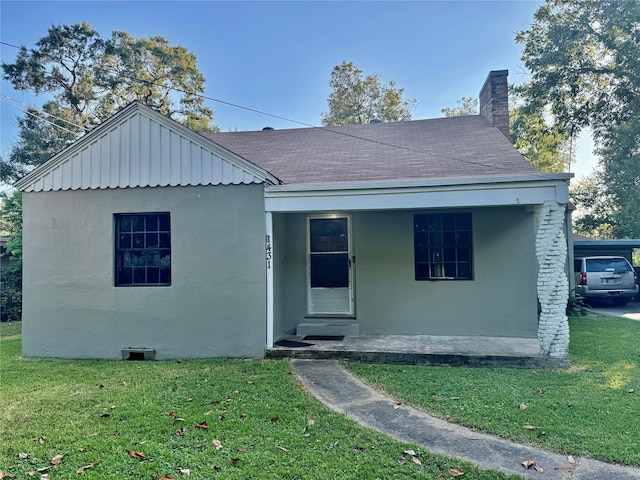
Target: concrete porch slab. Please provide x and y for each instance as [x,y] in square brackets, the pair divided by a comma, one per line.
[425,349]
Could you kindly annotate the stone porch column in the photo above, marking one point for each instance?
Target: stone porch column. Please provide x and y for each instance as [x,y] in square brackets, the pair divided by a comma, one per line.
[553,286]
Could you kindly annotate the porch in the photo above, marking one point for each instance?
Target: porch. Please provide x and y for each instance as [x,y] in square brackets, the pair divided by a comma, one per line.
[436,350]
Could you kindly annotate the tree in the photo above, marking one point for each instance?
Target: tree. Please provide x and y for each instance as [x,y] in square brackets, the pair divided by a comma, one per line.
[356,99]
[594,216]
[465,106]
[89,79]
[11,281]
[541,144]
[583,56]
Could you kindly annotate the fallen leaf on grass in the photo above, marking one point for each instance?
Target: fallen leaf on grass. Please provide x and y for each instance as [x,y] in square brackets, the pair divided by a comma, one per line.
[31,473]
[402,461]
[202,425]
[180,431]
[570,459]
[456,472]
[437,397]
[538,468]
[57,460]
[217,444]
[167,478]
[530,427]
[5,475]
[303,388]
[41,440]
[87,467]
[94,434]
[234,461]
[250,382]
[45,476]
[171,413]
[631,390]
[565,469]
[185,471]
[541,391]
[138,455]
[416,460]
[282,448]
[410,452]
[23,456]
[523,406]
[217,468]
[105,415]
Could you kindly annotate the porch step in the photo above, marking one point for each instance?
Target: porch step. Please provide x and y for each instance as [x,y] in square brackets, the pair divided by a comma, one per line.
[328,327]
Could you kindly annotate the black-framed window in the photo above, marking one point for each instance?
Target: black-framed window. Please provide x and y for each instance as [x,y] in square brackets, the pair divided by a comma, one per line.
[443,246]
[143,249]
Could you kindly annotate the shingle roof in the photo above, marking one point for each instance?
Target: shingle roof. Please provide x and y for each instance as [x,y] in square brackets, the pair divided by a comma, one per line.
[420,149]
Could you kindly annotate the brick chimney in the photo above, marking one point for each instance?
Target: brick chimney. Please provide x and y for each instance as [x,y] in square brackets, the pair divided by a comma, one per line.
[494,101]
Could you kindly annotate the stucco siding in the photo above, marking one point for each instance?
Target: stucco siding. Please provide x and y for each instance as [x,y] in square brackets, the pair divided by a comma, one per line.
[215,306]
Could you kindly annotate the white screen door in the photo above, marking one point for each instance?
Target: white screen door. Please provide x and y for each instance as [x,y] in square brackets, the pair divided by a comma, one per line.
[329,272]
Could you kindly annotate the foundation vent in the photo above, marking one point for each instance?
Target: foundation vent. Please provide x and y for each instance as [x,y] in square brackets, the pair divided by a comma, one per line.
[140,354]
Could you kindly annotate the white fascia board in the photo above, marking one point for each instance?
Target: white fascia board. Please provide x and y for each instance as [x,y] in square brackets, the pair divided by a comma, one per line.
[524,190]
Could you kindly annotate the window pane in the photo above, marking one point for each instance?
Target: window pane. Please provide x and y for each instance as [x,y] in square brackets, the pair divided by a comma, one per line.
[464,270]
[463,221]
[153,275]
[151,223]
[125,240]
[138,240]
[152,240]
[165,275]
[435,223]
[138,275]
[164,223]
[125,276]
[330,270]
[328,235]
[449,222]
[165,240]
[125,223]
[450,270]
[137,222]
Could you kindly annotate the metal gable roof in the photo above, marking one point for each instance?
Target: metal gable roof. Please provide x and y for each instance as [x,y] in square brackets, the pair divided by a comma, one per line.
[139,147]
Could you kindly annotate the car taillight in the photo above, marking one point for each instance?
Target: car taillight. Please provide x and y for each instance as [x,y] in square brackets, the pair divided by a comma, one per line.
[583,278]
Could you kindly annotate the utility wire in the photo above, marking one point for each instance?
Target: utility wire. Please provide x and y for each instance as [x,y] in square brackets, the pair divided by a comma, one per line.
[328,129]
[86,129]
[39,117]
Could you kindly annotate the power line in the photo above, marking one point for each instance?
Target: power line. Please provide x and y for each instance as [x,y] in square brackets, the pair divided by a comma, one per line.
[39,117]
[86,129]
[328,129]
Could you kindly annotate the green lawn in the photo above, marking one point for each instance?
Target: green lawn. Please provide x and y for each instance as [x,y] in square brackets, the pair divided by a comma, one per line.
[267,426]
[589,409]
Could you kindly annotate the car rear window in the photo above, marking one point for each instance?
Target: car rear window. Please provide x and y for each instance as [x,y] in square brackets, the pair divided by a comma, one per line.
[608,265]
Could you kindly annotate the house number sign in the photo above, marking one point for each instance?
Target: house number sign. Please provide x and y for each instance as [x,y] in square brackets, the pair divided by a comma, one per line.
[268,251]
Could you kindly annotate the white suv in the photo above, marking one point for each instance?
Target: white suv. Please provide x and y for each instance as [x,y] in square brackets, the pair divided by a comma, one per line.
[602,278]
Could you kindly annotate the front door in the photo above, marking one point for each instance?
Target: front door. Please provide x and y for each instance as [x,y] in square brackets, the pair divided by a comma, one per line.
[329,262]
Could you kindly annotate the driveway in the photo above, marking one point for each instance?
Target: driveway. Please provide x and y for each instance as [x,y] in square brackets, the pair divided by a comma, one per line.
[630,310]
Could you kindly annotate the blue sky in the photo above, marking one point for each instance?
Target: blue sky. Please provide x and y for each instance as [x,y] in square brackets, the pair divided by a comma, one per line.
[277,57]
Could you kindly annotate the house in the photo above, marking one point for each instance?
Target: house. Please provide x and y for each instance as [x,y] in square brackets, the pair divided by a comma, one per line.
[145,238]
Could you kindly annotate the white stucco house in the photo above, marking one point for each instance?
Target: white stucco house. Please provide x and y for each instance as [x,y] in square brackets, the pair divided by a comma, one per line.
[146,236]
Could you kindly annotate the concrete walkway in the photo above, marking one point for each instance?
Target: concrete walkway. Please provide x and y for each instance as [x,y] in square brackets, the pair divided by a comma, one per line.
[340,391]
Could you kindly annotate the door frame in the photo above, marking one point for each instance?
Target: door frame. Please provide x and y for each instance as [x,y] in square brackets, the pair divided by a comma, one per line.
[351,258]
